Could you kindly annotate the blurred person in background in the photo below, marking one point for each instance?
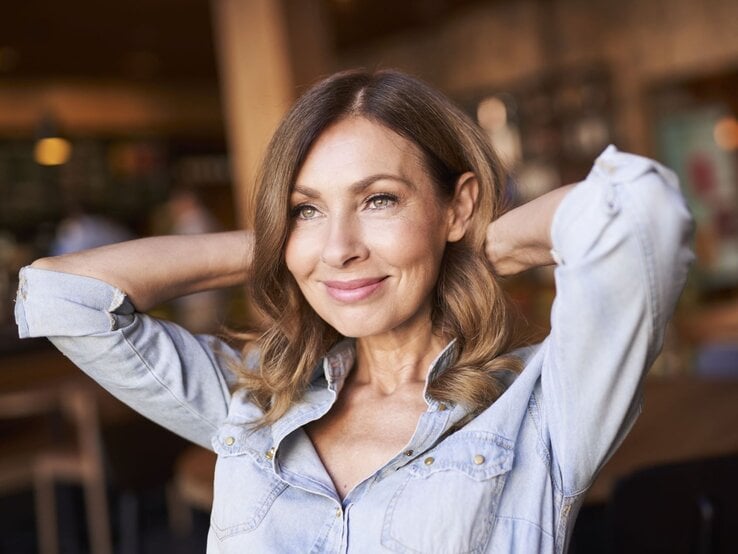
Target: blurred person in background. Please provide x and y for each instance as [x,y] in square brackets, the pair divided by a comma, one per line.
[389,403]
[81,229]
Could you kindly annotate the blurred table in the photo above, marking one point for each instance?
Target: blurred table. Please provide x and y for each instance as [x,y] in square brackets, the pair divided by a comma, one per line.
[683,418]
[44,367]
[22,368]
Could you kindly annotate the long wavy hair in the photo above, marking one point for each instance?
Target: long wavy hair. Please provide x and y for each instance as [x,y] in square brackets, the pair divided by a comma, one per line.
[468,303]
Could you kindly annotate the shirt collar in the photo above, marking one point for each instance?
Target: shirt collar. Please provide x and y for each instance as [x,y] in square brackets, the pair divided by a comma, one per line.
[338,363]
[439,365]
[340,360]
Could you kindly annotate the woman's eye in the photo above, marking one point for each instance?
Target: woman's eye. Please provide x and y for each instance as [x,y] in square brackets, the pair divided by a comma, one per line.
[381,201]
[305,211]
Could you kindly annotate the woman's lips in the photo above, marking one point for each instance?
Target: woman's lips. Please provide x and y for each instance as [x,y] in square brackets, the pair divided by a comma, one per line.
[353,290]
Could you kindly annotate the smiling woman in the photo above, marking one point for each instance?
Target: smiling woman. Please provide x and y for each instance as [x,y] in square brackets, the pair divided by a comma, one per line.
[347,251]
[350,142]
[385,405]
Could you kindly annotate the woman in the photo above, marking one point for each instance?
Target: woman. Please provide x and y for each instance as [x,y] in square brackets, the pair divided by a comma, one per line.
[382,408]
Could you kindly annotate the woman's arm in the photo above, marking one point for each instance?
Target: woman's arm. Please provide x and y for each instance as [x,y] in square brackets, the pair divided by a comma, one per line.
[521,238]
[621,239]
[89,306]
[153,270]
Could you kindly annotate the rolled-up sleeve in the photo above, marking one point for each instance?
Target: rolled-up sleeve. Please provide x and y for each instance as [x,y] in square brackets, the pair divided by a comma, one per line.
[621,241]
[179,380]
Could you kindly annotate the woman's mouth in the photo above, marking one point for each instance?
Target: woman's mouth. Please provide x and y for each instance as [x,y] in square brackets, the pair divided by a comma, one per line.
[353,290]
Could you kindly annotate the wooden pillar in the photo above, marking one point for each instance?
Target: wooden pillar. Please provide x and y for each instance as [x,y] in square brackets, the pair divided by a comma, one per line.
[258,54]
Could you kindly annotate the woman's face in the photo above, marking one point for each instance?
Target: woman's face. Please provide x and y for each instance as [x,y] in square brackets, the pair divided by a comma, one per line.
[368,230]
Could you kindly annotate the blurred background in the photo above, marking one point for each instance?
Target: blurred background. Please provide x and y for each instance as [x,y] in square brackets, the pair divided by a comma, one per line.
[120,120]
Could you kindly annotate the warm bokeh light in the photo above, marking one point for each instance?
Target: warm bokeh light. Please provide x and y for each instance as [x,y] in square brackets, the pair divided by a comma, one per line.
[726,133]
[492,113]
[52,151]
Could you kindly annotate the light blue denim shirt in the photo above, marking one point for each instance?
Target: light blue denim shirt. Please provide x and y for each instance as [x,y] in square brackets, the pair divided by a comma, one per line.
[511,480]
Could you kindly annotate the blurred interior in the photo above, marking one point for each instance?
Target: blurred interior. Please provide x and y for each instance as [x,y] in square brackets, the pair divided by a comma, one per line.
[148,117]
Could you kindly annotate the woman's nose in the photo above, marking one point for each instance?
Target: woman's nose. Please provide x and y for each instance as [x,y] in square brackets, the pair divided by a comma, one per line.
[343,243]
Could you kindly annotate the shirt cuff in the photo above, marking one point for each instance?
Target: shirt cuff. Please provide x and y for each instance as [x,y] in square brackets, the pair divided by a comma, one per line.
[585,212]
[50,303]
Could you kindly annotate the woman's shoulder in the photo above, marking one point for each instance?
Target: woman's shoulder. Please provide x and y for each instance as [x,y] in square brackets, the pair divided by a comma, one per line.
[529,356]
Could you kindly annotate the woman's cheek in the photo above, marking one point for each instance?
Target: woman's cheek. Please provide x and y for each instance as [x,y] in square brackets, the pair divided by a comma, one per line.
[407,240]
[298,253]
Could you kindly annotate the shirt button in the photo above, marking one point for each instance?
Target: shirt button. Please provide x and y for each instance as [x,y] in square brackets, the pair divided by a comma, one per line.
[269,454]
[409,453]
[442,407]
[479,459]
[229,441]
[607,166]
[338,512]
[429,460]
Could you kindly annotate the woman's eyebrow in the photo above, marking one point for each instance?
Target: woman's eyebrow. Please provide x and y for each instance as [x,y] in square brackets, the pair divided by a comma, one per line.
[358,186]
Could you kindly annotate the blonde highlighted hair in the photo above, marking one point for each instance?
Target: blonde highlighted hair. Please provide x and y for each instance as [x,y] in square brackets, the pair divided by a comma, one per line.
[468,305]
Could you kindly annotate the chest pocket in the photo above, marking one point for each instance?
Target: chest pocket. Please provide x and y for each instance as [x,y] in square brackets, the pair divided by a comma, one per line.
[448,500]
[245,485]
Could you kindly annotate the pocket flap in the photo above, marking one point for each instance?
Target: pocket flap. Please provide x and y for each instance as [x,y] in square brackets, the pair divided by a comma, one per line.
[477,454]
[236,440]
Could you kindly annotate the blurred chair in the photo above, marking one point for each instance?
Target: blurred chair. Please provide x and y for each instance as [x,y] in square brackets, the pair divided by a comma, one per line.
[42,463]
[689,507]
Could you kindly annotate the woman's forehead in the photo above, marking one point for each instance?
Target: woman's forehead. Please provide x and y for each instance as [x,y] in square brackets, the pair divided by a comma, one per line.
[355,148]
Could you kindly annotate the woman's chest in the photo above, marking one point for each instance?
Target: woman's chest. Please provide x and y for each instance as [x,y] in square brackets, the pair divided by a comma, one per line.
[444,499]
[353,445]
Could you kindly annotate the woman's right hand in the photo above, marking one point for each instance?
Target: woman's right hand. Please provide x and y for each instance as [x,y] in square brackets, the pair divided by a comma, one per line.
[156,269]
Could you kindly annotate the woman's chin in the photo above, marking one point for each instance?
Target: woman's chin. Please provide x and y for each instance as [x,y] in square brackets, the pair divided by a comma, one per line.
[375,322]
[356,329]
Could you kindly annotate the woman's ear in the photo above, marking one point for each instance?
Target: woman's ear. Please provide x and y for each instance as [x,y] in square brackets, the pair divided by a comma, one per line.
[462,206]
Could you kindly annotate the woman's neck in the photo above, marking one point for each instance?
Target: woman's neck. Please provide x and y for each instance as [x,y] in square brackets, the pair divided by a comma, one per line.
[392,360]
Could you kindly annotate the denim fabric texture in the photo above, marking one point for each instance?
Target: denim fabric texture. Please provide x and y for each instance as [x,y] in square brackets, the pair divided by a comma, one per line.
[511,480]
